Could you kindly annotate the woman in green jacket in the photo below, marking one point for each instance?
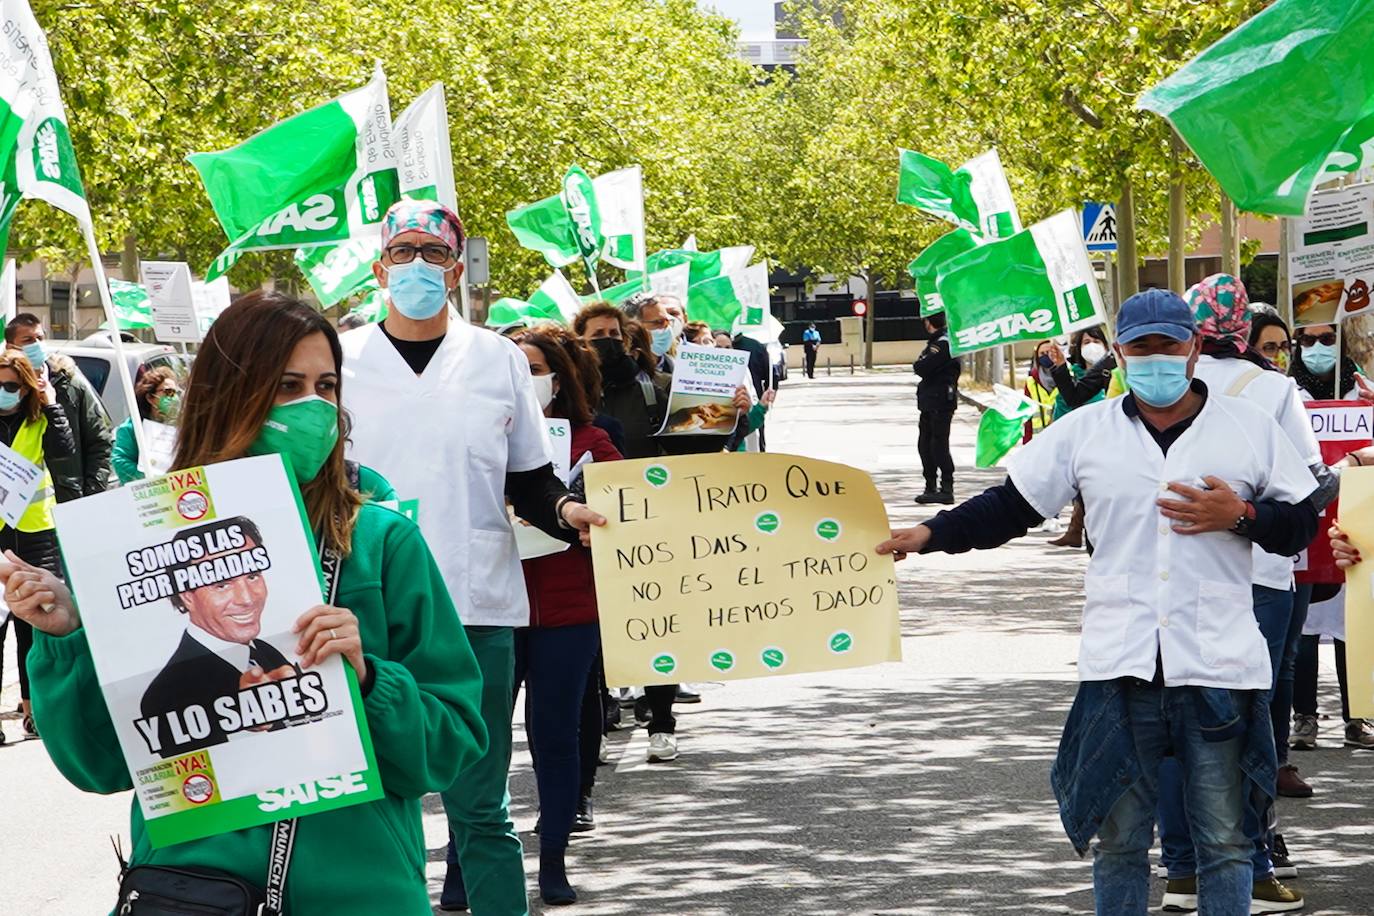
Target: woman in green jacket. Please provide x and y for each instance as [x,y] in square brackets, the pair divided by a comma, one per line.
[267,357]
[159,396]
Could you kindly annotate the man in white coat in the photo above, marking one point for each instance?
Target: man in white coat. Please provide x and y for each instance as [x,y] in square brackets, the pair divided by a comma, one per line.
[446,412]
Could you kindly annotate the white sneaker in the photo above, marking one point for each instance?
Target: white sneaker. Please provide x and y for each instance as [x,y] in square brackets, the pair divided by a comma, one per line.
[605,755]
[662,747]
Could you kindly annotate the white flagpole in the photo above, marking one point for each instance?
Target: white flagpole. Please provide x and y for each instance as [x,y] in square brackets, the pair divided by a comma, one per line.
[121,364]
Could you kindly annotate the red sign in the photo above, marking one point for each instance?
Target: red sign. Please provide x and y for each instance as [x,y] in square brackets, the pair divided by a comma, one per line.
[860,307]
[1341,427]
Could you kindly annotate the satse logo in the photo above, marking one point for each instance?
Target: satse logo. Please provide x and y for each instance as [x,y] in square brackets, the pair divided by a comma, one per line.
[1040,321]
[49,159]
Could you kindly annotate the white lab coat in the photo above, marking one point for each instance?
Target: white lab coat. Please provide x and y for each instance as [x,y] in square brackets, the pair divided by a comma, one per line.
[1277,395]
[448,437]
[1148,589]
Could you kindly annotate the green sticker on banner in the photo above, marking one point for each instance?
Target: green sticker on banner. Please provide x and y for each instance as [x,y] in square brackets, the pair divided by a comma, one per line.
[774,657]
[767,522]
[665,663]
[841,642]
[657,475]
[723,660]
[827,529]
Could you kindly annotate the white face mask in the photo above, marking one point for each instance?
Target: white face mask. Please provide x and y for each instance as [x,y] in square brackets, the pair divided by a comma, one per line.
[543,389]
[1092,353]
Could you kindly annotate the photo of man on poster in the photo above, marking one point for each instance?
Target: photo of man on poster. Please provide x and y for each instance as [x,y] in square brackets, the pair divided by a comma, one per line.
[219,653]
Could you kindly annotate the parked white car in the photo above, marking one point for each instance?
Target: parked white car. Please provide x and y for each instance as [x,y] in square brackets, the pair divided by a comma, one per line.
[95,357]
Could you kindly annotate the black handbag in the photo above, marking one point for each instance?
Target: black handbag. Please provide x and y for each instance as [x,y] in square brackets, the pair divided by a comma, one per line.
[155,890]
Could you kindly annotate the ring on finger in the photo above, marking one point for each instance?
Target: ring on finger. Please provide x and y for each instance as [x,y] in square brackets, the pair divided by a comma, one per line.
[332,634]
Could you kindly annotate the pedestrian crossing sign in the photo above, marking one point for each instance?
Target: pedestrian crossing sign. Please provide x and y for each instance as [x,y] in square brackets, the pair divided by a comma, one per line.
[1099,226]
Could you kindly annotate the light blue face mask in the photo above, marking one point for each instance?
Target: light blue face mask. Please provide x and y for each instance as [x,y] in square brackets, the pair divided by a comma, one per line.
[1319,358]
[1159,380]
[36,353]
[9,399]
[417,289]
[661,341]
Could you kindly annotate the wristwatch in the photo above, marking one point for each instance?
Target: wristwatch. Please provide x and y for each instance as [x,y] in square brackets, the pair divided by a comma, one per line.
[1242,525]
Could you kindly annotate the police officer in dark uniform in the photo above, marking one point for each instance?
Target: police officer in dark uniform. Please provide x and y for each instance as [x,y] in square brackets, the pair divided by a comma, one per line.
[937,395]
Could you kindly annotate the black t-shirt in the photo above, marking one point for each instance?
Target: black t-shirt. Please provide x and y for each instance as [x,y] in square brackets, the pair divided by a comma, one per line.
[416,353]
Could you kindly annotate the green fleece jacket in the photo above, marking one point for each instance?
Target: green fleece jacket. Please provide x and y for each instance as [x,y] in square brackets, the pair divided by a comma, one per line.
[124,458]
[423,710]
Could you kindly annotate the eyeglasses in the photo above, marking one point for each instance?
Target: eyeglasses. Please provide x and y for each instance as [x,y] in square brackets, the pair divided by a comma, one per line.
[1307,340]
[1275,347]
[433,253]
[168,392]
[11,387]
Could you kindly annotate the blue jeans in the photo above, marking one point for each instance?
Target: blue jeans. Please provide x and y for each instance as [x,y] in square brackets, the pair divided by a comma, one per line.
[1214,785]
[1274,613]
[1281,706]
[553,663]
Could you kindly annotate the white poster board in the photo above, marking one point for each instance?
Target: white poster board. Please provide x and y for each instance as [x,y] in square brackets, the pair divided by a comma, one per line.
[172,300]
[19,479]
[1331,257]
[189,587]
[702,400]
[529,540]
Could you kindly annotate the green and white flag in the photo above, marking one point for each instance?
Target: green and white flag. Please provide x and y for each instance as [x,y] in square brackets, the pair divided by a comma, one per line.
[975,196]
[593,219]
[35,145]
[507,312]
[424,172]
[1307,67]
[318,178]
[620,199]
[131,305]
[556,297]
[1002,425]
[927,265]
[742,296]
[703,264]
[671,281]
[1038,283]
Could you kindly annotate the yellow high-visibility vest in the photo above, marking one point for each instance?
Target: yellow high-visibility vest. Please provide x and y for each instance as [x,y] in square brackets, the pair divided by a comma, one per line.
[1044,398]
[28,442]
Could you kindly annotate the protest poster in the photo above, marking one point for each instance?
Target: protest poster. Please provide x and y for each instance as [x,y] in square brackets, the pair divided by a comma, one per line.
[161,442]
[19,481]
[702,399]
[739,565]
[1341,427]
[530,542]
[1357,521]
[172,300]
[189,586]
[1331,257]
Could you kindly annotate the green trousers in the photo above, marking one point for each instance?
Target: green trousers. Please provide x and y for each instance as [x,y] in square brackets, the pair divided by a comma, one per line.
[478,804]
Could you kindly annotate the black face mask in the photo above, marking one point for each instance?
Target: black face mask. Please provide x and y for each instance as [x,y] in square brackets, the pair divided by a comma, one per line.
[617,367]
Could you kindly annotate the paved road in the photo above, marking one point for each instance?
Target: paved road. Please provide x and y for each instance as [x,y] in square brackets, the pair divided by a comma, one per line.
[919,787]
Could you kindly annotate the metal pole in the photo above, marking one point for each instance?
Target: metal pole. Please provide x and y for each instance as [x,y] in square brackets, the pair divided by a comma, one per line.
[126,380]
[1284,293]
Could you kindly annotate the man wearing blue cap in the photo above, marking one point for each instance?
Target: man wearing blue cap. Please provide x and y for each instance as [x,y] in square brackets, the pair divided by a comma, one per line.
[1178,483]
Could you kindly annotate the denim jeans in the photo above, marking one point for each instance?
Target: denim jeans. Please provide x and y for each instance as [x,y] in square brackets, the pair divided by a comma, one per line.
[1281,706]
[1273,612]
[1214,786]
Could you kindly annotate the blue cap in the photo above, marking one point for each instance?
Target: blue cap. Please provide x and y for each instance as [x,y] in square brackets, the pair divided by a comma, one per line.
[1155,311]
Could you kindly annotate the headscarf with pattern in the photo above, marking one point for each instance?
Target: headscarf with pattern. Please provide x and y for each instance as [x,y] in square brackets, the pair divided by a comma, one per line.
[427,216]
[1221,308]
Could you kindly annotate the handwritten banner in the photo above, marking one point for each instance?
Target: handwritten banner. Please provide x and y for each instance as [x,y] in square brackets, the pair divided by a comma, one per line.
[729,566]
[1357,521]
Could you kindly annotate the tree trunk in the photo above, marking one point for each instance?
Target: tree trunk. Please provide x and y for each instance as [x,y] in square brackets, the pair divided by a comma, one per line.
[1127,264]
[1230,237]
[870,317]
[128,260]
[1178,221]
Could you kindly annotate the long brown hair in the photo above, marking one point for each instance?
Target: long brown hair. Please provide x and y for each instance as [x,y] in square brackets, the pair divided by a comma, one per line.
[579,378]
[30,404]
[149,383]
[233,386]
[640,346]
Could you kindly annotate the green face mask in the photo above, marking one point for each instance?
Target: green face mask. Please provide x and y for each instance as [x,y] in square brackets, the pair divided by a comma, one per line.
[168,404]
[304,431]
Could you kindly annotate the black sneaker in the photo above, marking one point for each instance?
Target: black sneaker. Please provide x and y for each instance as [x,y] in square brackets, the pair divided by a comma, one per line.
[1283,863]
[454,897]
